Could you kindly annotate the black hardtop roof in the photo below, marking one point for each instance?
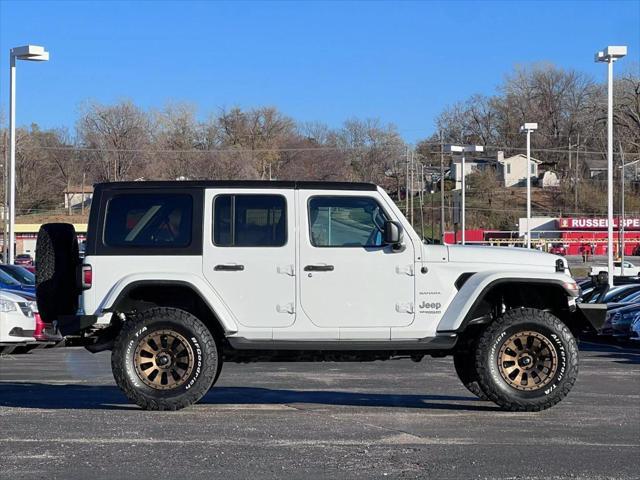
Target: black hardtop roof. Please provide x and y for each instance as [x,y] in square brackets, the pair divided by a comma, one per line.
[275,184]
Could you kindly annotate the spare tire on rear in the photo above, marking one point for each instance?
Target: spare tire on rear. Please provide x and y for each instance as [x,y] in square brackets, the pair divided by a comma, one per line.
[57,260]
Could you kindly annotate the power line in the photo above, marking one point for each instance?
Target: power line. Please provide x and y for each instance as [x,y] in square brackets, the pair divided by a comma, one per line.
[294,149]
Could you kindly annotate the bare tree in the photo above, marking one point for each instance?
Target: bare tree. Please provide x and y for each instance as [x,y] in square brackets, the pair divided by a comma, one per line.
[120,137]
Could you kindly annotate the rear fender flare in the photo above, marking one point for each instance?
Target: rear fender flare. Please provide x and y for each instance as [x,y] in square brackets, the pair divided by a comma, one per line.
[195,283]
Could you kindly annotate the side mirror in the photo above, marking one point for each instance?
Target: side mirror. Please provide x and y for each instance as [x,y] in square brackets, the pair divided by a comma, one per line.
[392,234]
[601,279]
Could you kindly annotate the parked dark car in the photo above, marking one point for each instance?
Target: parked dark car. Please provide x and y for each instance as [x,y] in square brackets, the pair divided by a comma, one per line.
[634,330]
[7,282]
[617,294]
[619,320]
[21,274]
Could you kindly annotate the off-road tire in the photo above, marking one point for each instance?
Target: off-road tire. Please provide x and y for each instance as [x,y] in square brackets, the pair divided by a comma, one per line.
[561,344]
[465,365]
[199,341]
[56,273]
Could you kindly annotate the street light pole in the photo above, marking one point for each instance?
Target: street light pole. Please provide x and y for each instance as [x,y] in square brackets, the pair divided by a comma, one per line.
[529,127]
[31,53]
[464,198]
[622,167]
[441,191]
[610,55]
[12,159]
[463,149]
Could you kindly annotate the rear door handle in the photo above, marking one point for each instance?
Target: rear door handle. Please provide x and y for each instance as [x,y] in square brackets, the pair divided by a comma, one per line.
[318,268]
[228,268]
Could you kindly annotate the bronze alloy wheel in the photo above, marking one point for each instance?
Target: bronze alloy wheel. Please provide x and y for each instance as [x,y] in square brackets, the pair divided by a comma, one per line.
[527,361]
[164,359]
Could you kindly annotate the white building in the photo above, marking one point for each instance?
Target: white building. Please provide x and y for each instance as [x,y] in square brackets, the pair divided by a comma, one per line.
[511,171]
[514,169]
[471,165]
[76,196]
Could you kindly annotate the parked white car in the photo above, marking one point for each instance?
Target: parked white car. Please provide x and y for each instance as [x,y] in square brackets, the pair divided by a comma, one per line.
[629,270]
[17,321]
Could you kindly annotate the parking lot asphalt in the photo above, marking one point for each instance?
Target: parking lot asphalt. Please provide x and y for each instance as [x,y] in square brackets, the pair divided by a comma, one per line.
[61,416]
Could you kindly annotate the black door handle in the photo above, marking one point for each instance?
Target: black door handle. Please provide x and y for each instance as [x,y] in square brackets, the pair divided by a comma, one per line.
[318,268]
[229,268]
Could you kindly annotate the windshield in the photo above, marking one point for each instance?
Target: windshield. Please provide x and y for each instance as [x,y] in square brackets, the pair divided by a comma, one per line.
[6,279]
[21,274]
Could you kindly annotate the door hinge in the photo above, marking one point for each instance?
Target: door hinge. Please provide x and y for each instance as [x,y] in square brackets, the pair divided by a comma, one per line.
[404,307]
[404,270]
[286,308]
[286,270]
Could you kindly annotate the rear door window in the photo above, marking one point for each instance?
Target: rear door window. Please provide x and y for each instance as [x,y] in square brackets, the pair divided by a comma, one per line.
[249,221]
[149,220]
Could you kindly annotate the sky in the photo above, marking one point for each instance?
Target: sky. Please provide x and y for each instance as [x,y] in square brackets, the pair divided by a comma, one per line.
[401,62]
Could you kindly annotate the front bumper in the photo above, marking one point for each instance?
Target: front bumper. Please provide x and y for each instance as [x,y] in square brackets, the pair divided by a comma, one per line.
[594,314]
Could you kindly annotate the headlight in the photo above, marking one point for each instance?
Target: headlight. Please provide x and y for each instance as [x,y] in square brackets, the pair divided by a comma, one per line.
[7,306]
[635,328]
[621,323]
[28,308]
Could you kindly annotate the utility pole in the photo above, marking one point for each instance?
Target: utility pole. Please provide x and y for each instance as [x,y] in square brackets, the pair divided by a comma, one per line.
[422,204]
[422,183]
[406,187]
[569,169]
[621,210]
[82,204]
[433,214]
[575,188]
[441,190]
[411,187]
[69,196]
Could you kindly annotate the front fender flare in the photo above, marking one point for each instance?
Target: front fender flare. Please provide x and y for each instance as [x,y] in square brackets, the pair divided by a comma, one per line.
[475,288]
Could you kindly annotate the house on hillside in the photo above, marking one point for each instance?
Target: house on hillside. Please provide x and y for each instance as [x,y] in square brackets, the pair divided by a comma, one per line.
[514,169]
[76,196]
[511,171]
[597,167]
[471,165]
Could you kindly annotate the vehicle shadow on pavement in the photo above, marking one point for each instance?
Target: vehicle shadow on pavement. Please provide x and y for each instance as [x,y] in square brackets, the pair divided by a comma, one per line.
[268,396]
[619,354]
[109,397]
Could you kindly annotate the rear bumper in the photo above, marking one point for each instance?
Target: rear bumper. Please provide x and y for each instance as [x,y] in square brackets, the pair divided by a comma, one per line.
[74,324]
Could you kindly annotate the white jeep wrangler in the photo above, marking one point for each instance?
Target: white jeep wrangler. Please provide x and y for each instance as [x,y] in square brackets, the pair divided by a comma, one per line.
[181,276]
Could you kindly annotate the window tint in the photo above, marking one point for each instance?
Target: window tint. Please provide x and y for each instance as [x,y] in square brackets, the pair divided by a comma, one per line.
[149,221]
[249,221]
[8,280]
[345,222]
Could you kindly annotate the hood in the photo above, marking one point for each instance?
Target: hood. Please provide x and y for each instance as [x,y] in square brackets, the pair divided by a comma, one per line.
[501,255]
[14,296]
